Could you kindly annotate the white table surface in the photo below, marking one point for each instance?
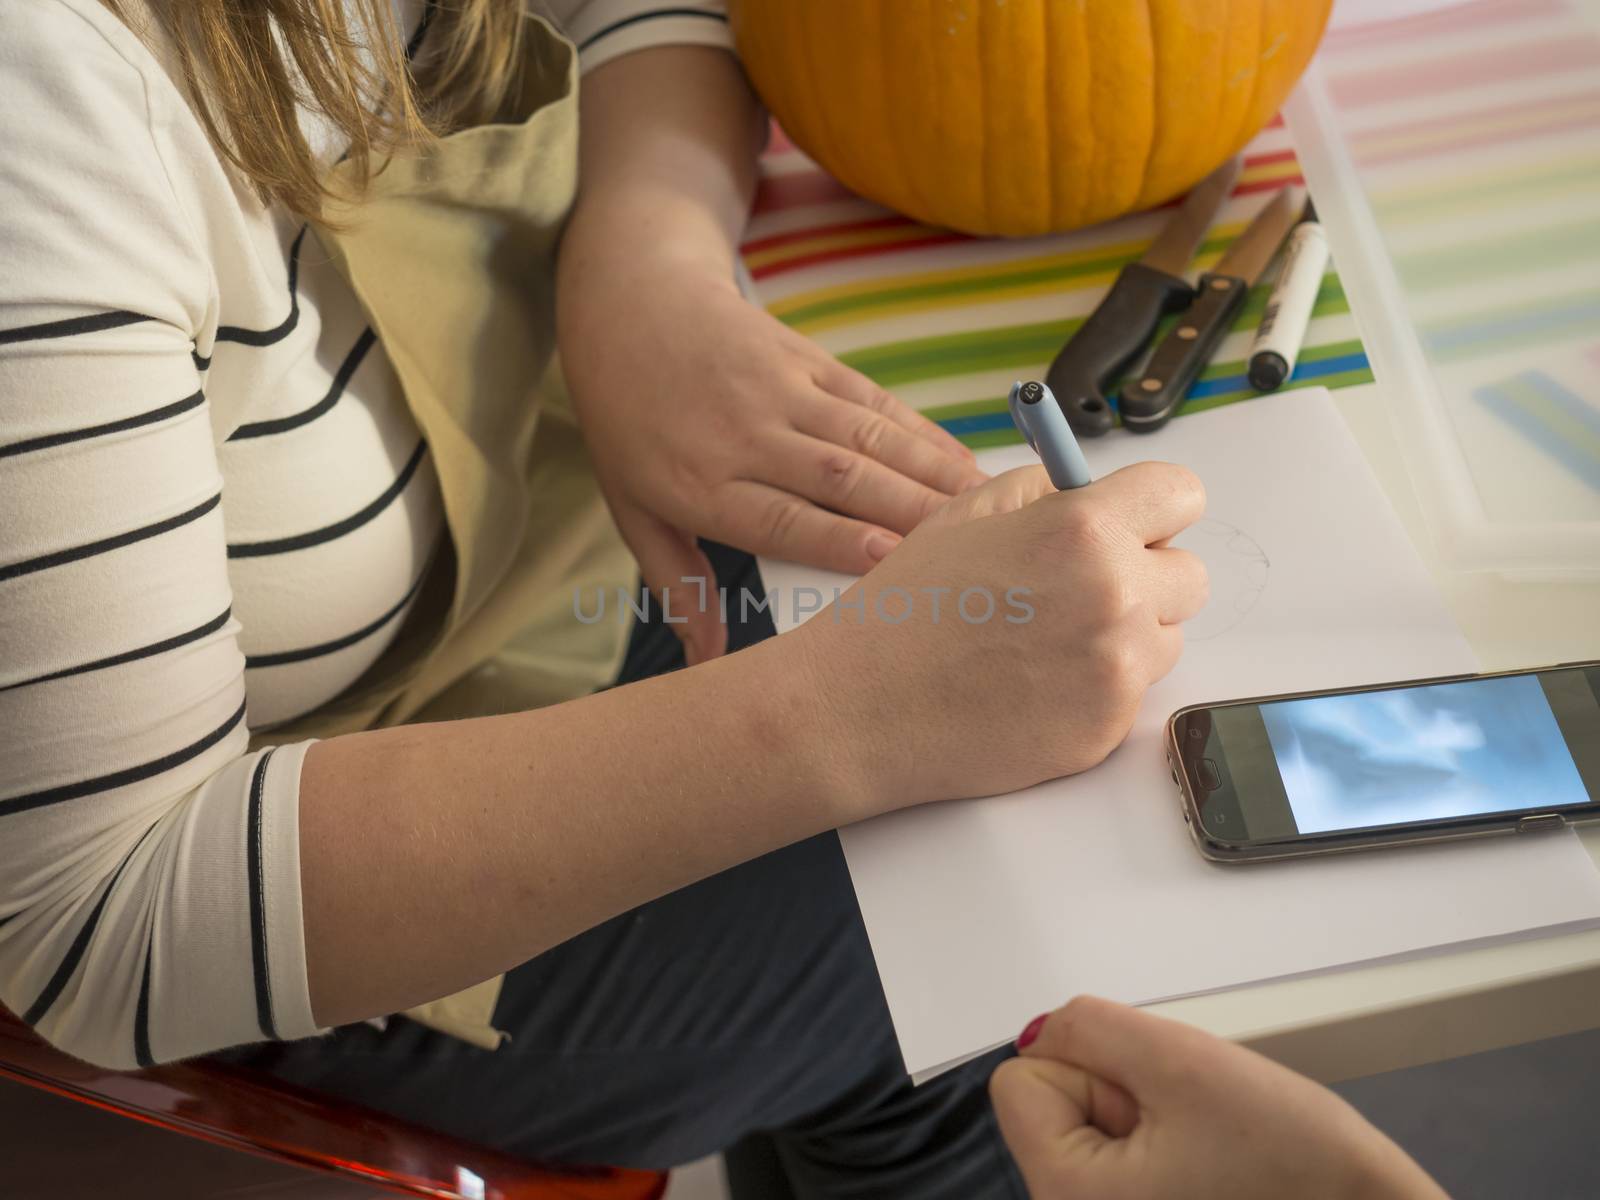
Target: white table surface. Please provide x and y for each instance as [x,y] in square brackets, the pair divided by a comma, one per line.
[1382,1017]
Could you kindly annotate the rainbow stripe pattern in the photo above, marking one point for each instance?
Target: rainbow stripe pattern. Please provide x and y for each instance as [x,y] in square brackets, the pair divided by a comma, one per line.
[1557,419]
[1475,133]
[947,321]
[1473,130]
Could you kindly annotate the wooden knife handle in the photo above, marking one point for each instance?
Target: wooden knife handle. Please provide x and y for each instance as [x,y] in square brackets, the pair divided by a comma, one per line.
[1148,402]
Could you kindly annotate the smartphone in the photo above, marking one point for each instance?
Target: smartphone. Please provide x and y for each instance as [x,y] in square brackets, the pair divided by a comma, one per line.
[1393,764]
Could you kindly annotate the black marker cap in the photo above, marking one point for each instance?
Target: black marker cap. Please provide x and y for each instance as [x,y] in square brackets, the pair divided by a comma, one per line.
[1267,371]
[1032,392]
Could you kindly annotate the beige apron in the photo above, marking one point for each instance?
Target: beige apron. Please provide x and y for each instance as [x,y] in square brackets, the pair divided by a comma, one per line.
[452,254]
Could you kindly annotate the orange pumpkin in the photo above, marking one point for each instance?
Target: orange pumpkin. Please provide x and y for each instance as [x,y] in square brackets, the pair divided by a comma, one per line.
[1021,117]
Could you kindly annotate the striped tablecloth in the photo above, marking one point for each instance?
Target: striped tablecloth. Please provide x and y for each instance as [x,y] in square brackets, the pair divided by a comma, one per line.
[1474,131]
[947,322]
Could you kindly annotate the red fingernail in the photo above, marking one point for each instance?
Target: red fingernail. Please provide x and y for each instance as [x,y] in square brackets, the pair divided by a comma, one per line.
[1031,1034]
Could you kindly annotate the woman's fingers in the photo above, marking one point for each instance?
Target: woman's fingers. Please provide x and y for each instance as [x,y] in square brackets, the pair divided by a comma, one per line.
[1155,500]
[855,388]
[1166,648]
[1005,493]
[1143,1054]
[851,483]
[769,520]
[671,562]
[1043,1110]
[1178,584]
[874,435]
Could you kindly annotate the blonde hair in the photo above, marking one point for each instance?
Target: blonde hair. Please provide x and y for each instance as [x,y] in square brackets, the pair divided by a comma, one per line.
[248,65]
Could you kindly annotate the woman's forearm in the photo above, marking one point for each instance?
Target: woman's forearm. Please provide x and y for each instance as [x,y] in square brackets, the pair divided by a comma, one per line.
[435,856]
[668,140]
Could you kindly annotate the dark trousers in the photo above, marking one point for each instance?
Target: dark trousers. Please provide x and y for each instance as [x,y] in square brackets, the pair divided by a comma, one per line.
[744,1008]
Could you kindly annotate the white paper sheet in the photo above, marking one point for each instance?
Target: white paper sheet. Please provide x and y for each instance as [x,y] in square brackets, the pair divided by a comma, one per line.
[983,913]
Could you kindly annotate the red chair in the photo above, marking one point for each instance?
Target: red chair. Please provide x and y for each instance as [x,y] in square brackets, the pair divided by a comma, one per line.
[234,1108]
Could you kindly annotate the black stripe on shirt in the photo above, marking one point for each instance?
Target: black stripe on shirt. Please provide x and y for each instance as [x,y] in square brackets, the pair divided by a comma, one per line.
[74,553]
[141,1014]
[338,529]
[618,26]
[93,323]
[341,380]
[258,916]
[127,656]
[266,337]
[48,440]
[104,783]
[202,362]
[80,944]
[350,639]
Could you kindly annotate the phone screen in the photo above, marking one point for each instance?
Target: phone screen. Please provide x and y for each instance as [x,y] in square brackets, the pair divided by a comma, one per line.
[1421,754]
[1406,755]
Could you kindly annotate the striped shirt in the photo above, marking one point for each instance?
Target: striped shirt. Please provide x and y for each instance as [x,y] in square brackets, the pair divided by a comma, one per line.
[215,511]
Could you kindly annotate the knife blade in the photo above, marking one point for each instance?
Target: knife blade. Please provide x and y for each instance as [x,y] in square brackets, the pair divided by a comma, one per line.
[1122,324]
[1148,402]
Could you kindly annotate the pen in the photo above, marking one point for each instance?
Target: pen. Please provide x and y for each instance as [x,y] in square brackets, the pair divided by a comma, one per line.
[1283,322]
[1038,417]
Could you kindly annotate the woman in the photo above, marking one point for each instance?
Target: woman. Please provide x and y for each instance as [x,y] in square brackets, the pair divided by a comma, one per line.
[231,505]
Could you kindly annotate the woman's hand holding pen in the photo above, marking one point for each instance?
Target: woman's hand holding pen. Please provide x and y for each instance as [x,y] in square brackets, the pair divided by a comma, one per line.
[1084,602]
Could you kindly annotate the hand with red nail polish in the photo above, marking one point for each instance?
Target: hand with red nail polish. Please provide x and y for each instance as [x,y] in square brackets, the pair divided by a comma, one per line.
[1030,1032]
[1116,1104]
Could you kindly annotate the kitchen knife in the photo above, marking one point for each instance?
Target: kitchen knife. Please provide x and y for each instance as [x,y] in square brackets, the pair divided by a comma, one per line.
[1148,402]
[1123,323]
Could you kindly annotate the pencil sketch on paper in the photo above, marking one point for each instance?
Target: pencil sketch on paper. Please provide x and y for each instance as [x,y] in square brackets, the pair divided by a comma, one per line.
[1239,568]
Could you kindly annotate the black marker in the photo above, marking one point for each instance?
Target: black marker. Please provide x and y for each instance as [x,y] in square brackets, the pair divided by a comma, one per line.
[1283,322]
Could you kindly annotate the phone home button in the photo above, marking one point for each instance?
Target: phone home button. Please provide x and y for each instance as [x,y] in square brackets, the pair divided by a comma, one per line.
[1208,776]
[1541,821]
